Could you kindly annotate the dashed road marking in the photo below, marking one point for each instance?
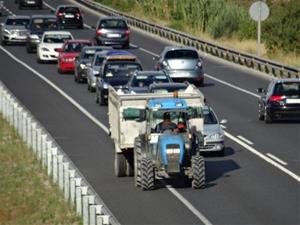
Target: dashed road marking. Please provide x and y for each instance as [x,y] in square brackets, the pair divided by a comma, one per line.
[245,140]
[276,159]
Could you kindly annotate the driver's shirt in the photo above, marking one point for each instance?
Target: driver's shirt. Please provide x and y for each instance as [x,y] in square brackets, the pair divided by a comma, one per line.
[161,127]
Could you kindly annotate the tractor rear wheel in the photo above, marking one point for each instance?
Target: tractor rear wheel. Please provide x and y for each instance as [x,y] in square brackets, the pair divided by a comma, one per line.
[198,170]
[147,178]
[120,165]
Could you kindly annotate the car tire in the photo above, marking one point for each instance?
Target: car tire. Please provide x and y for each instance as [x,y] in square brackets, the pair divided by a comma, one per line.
[97,97]
[39,61]
[20,6]
[3,43]
[60,71]
[267,118]
[221,153]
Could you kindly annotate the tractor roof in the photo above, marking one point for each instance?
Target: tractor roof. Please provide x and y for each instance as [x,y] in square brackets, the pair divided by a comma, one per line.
[167,103]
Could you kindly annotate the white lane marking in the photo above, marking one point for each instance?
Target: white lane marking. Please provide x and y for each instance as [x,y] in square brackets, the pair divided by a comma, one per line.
[245,140]
[50,7]
[224,127]
[276,159]
[189,205]
[10,12]
[102,126]
[262,156]
[71,100]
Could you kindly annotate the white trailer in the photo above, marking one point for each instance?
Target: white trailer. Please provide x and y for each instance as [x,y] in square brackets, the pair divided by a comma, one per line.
[123,131]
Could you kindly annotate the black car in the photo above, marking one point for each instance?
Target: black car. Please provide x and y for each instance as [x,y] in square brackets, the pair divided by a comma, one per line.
[280,101]
[30,3]
[37,25]
[114,73]
[69,16]
[141,80]
[112,31]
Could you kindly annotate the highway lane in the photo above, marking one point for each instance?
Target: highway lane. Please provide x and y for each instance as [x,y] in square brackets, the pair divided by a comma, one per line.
[238,162]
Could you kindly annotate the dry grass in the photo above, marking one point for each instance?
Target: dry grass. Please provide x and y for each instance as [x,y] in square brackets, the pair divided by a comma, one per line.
[27,195]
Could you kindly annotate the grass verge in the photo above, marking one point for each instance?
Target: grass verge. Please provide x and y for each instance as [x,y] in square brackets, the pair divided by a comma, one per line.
[27,195]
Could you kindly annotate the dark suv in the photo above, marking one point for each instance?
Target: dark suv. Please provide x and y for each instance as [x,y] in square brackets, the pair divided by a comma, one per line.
[280,101]
[112,31]
[30,3]
[69,16]
[37,25]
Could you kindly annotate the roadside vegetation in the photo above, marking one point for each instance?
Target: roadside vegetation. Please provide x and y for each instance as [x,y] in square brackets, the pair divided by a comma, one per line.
[27,195]
[226,22]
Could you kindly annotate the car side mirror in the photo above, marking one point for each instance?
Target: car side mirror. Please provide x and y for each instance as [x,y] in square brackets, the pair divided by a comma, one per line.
[59,50]
[261,90]
[223,121]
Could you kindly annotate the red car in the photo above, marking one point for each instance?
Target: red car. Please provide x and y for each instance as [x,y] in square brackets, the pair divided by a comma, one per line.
[67,54]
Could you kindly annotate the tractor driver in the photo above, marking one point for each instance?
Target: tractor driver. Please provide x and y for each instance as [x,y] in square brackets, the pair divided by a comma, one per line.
[166,124]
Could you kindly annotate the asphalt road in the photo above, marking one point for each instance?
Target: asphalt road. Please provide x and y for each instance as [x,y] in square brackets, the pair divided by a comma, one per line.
[242,187]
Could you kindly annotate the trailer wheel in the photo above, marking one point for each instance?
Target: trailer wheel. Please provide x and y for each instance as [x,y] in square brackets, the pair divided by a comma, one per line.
[137,161]
[198,170]
[147,178]
[120,165]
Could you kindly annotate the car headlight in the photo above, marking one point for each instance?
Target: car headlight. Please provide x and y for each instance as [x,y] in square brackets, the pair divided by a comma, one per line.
[82,66]
[45,49]
[105,86]
[199,64]
[34,37]
[6,31]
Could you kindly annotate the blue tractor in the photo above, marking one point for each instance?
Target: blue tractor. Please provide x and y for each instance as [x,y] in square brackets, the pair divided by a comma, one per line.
[169,143]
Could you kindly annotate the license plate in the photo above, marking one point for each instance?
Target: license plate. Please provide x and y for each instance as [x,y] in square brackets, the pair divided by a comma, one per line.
[113,35]
[292,101]
[69,16]
[173,151]
[30,2]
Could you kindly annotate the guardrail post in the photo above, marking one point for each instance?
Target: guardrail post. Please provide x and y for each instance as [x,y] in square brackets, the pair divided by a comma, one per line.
[66,174]
[39,143]
[54,166]
[60,161]
[95,210]
[15,123]
[73,183]
[24,125]
[20,121]
[29,133]
[34,140]
[44,150]
[87,200]
[49,153]
[103,220]
[80,192]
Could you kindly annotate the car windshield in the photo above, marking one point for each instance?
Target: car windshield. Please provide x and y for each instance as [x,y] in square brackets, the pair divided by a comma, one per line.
[167,89]
[56,38]
[17,22]
[40,24]
[99,60]
[69,10]
[113,23]
[181,54]
[75,47]
[287,89]
[209,117]
[146,80]
[120,69]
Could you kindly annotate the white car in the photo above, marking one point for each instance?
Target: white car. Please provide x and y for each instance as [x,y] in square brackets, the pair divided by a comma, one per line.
[213,132]
[50,42]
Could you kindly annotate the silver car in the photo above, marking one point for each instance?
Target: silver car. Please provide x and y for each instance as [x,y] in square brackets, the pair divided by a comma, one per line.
[213,132]
[13,30]
[92,69]
[182,64]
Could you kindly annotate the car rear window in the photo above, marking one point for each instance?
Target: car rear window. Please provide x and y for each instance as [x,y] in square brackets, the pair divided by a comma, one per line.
[56,38]
[120,69]
[75,47]
[17,22]
[44,23]
[112,24]
[287,89]
[146,80]
[69,10]
[181,54]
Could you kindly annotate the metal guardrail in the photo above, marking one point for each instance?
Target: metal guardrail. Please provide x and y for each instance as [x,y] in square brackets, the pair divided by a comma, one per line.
[251,61]
[77,191]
